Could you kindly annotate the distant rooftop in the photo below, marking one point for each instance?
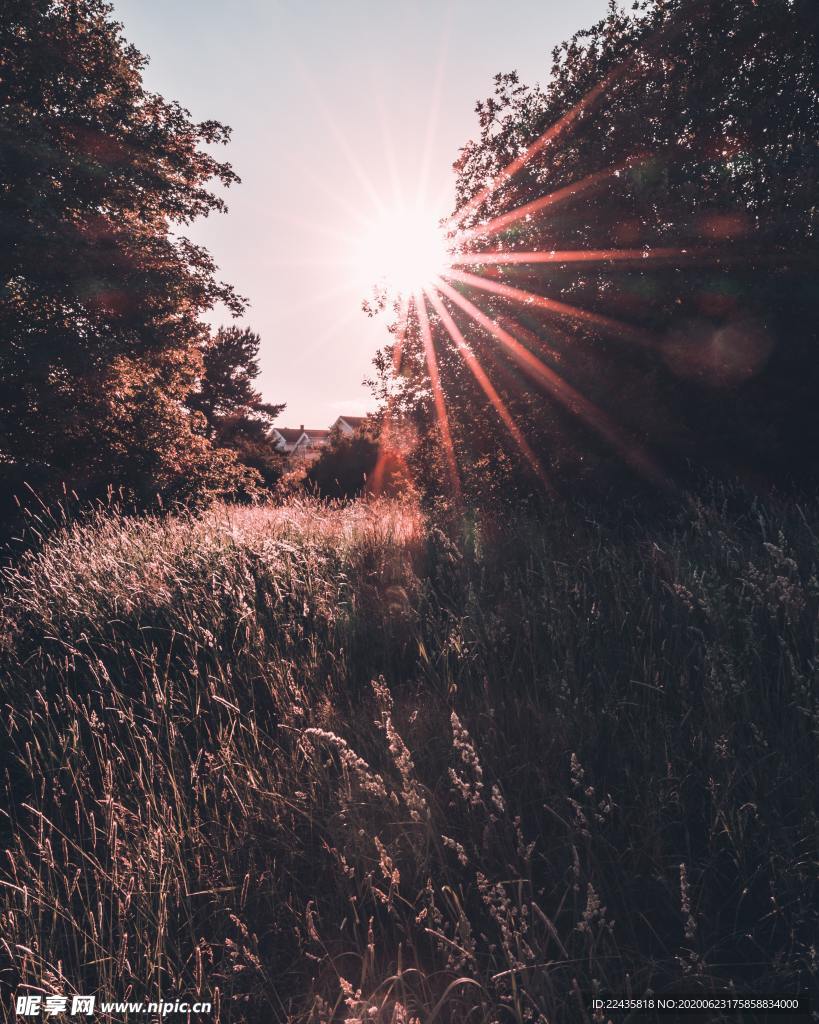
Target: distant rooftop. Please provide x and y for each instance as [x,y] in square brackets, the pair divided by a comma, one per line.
[290,434]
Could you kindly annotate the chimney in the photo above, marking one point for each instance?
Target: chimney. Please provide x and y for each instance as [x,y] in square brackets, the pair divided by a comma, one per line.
[301,428]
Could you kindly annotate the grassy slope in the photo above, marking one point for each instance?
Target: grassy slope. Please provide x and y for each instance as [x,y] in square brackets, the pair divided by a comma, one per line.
[590,760]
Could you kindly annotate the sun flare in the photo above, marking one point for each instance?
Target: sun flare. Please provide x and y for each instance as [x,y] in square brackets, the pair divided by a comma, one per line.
[403,250]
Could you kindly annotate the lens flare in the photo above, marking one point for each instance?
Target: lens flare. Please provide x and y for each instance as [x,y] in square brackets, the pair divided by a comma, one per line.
[413,252]
[402,250]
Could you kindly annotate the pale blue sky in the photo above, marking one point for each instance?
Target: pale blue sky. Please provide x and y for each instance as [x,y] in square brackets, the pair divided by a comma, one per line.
[314,89]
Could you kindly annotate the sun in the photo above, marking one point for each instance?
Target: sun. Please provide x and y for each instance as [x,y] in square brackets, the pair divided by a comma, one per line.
[403,250]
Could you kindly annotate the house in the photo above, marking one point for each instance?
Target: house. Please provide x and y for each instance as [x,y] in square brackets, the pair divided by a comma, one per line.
[298,443]
[306,443]
[349,424]
[285,439]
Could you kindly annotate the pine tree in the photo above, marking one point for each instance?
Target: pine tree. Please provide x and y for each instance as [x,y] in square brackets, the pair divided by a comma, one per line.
[235,416]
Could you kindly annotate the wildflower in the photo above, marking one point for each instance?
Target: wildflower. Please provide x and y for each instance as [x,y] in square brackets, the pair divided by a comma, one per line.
[470,789]
[411,792]
[594,916]
[388,869]
[453,844]
[577,771]
[356,766]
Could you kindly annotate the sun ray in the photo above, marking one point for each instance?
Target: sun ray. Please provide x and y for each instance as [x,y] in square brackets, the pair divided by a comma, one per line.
[385,447]
[335,328]
[320,184]
[567,120]
[437,393]
[314,227]
[401,333]
[611,326]
[547,138]
[489,390]
[320,298]
[418,264]
[561,195]
[342,142]
[569,396]
[387,140]
[434,108]
[504,258]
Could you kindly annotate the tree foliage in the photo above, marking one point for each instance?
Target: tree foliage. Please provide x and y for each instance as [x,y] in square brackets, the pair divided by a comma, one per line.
[345,466]
[684,131]
[369,461]
[101,296]
[233,412]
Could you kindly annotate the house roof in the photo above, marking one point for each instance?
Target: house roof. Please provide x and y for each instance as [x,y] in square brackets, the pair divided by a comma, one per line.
[290,434]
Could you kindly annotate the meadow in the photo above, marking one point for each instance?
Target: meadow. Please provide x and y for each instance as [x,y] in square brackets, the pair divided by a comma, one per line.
[326,762]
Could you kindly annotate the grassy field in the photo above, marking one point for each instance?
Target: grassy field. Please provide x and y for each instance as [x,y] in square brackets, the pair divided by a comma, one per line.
[320,763]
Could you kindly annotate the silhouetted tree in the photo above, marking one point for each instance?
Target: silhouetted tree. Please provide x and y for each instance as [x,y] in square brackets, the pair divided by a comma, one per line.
[100,296]
[344,467]
[370,461]
[235,416]
[685,127]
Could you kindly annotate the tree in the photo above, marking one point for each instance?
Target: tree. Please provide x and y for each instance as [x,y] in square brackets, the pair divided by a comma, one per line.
[343,468]
[683,134]
[369,461]
[100,296]
[235,416]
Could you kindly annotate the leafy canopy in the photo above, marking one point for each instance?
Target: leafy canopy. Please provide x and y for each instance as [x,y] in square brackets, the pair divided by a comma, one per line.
[101,295]
[682,126]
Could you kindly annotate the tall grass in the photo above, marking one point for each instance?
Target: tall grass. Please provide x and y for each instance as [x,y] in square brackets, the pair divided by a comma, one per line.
[328,762]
